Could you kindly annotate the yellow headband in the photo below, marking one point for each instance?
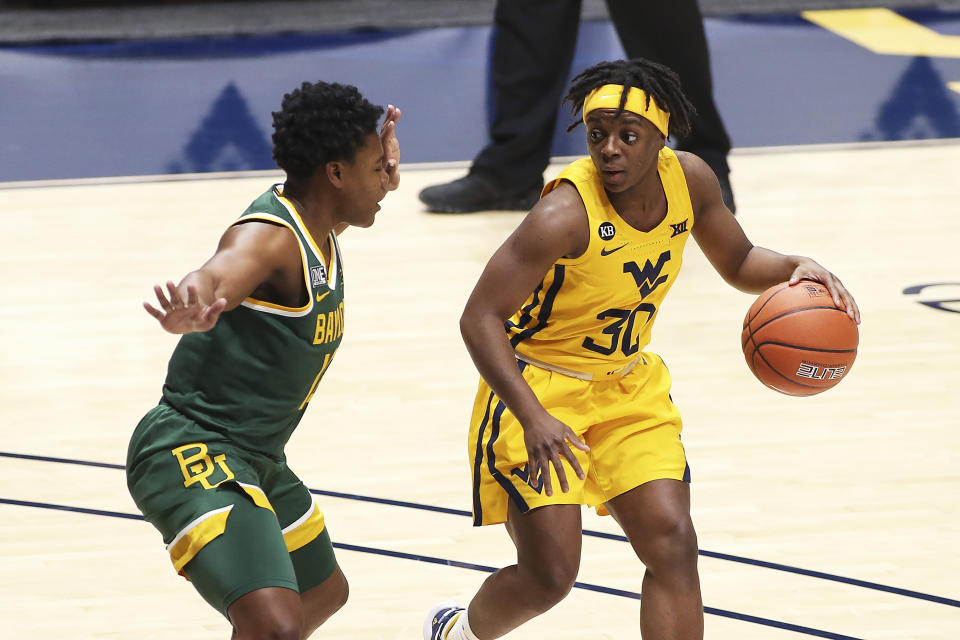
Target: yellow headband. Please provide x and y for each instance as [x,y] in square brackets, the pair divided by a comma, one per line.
[608,97]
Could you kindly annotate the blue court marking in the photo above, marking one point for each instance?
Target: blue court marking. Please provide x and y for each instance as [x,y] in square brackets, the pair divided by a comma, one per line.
[63,507]
[388,501]
[87,463]
[733,615]
[587,532]
[703,552]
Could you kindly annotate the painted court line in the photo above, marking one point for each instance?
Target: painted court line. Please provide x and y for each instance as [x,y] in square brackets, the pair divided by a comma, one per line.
[595,534]
[819,633]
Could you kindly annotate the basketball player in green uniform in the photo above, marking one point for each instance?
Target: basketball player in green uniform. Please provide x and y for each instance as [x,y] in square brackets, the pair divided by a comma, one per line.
[570,409]
[261,321]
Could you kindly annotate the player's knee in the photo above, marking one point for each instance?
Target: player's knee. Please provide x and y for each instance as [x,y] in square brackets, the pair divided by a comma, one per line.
[317,610]
[339,594]
[550,584]
[272,627]
[673,547]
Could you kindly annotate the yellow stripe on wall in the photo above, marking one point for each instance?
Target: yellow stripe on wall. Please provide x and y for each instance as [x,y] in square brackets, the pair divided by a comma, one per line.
[955,86]
[885,32]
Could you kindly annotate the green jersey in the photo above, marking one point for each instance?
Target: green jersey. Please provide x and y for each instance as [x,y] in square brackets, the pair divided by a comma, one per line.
[250,378]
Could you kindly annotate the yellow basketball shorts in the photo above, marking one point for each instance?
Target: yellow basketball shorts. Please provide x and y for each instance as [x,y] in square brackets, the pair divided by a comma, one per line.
[630,424]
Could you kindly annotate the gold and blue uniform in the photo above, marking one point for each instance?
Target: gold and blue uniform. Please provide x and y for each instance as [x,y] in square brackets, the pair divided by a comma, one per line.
[579,341]
[207,465]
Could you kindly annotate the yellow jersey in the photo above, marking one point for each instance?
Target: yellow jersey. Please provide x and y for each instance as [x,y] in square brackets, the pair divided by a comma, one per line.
[591,316]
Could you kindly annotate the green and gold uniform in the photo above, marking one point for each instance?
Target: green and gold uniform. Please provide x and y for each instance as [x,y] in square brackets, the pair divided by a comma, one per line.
[207,465]
[579,341]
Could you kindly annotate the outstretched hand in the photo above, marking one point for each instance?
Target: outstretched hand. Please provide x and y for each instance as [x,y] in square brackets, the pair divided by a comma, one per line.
[178,316]
[810,270]
[391,147]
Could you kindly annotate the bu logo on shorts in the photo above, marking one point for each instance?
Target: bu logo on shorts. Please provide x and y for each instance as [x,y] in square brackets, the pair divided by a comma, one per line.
[199,466]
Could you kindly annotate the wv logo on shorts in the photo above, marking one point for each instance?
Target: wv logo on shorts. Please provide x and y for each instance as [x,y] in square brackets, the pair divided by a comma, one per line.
[199,466]
[318,275]
[678,228]
[524,475]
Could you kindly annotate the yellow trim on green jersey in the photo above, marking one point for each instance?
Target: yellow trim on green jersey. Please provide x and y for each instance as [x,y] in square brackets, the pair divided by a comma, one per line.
[272,307]
[305,529]
[333,265]
[257,495]
[196,535]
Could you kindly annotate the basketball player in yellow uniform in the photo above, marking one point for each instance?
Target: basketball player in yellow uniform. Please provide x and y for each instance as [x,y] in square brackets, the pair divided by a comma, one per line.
[571,410]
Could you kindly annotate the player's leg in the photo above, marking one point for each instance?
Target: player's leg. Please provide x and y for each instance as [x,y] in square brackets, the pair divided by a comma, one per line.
[546,530]
[328,596]
[640,475]
[247,575]
[322,585]
[656,519]
[272,612]
[548,541]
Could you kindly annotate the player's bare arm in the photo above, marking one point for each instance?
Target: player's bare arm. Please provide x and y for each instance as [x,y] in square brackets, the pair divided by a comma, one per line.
[251,257]
[749,268]
[555,227]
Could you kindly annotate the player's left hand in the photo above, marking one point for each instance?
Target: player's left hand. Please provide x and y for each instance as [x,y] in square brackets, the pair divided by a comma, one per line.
[391,147]
[810,270]
[178,316]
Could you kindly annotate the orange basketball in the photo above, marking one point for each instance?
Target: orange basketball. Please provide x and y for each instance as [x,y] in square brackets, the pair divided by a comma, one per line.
[797,341]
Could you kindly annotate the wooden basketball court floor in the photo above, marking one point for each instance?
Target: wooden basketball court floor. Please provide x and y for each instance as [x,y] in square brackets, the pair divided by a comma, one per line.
[834,516]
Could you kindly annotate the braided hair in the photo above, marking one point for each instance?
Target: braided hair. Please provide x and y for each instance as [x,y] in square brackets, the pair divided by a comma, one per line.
[318,123]
[660,83]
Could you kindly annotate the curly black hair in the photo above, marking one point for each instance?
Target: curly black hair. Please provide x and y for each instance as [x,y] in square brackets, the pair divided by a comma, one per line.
[318,123]
[656,80]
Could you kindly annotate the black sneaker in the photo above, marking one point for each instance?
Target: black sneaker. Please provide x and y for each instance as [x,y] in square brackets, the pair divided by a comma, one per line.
[476,193]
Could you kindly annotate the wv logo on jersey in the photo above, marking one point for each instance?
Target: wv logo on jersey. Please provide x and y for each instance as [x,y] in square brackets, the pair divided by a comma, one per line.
[649,277]
[679,228]
[318,275]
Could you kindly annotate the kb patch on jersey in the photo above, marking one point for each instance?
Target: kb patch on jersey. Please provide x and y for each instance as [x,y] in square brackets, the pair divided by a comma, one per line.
[606,231]
[318,275]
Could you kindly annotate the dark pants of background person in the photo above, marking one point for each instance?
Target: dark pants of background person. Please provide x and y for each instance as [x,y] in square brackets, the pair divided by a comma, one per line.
[532,55]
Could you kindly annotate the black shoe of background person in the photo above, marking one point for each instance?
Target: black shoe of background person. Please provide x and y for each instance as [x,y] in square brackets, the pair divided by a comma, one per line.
[474,192]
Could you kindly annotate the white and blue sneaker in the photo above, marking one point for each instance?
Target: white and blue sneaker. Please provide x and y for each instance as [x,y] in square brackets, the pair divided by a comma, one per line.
[439,620]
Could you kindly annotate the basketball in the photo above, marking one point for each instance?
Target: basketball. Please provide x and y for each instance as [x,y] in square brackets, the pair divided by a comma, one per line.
[797,341]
